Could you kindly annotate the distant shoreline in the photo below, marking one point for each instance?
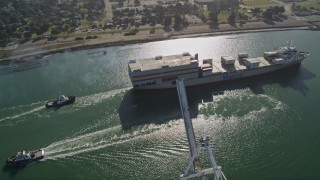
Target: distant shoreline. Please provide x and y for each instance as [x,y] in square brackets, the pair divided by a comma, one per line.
[99,43]
[194,35]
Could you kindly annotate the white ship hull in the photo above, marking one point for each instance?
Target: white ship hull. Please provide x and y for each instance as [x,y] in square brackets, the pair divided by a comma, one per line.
[162,72]
[215,78]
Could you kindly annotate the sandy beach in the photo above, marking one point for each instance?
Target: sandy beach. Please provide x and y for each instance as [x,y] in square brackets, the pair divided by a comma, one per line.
[104,40]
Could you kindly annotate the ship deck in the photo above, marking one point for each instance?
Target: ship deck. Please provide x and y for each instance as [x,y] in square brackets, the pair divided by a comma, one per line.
[159,62]
[218,66]
[238,65]
[264,61]
[38,154]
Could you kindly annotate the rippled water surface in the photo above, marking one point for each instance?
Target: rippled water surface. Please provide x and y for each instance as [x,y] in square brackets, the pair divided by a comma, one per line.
[260,128]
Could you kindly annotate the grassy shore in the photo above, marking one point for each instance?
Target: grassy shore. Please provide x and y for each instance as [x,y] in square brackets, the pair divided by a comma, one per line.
[105,40]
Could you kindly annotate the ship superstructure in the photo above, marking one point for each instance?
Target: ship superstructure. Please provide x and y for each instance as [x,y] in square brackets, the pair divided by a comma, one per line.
[24,158]
[163,71]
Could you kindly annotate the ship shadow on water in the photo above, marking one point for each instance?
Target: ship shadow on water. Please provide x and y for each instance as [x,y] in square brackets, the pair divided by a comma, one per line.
[148,107]
[293,78]
[142,107]
[12,170]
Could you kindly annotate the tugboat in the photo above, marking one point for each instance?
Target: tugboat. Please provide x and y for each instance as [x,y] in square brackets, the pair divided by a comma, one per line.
[61,101]
[24,158]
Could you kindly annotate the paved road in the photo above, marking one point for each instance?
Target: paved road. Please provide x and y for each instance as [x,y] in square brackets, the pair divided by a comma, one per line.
[288,12]
[287,7]
[108,9]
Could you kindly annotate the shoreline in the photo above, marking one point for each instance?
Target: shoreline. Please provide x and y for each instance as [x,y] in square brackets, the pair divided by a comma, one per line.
[93,44]
[179,36]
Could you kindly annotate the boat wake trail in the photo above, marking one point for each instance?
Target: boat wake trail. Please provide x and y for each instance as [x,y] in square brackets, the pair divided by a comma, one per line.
[97,140]
[240,104]
[12,115]
[97,98]
[18,112]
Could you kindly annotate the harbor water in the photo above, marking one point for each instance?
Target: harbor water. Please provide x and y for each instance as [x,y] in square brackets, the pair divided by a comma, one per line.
[266,127]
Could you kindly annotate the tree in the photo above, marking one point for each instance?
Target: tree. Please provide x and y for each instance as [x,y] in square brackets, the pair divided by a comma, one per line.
[18,35]
[229,3]
[178,8]
[136,2]
[153,20]
[120,3]
[159,11]
[41,28]
[267,15]
[65,27]
[3,33]
[195,9]
[185,23]
[118,21]
[293,6]
[242,16]
[125,21]
[214,7]
[277,10]
[177,21]
[232,18]
[44,27]
[27,34]
[131,21]
[256,11]
[143,20]
[282,10]
[203,17]
[170,10]
[55,30]
[131,12]
[213,16]
[167,21]
[93,26]
[187,8]
[37,30]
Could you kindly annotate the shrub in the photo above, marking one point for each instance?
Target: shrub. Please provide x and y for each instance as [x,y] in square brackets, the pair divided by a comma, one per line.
[78,38]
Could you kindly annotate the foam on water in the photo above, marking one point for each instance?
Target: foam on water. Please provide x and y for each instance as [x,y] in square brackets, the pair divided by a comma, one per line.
[23,111]
[97,98]
[98,140]
[240,103]
[17,112]
[92,141]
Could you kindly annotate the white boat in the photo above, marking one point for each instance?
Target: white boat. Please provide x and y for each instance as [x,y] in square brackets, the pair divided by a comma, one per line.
[162,71]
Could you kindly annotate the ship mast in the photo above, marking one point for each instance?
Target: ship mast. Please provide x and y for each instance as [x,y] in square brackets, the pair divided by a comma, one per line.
[193,146]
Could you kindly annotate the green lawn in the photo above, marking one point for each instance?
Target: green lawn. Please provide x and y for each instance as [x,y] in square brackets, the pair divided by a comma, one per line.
[223,16]
[313,6]
[258,3]
[206,13]
[84,23]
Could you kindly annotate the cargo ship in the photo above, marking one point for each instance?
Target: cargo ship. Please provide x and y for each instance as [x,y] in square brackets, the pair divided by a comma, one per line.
[161,72]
